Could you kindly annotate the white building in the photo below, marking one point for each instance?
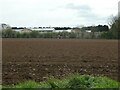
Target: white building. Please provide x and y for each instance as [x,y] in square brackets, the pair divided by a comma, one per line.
[88,30]
[17,29]
[43,29]
[69,30]
[26,30]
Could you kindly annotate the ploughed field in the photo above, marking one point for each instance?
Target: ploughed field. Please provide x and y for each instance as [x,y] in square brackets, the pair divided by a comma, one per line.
[37,59]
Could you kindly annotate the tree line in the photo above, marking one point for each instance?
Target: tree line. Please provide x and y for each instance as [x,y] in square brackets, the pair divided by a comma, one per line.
[114,31]
[104,32]
[99,28]
[9,33]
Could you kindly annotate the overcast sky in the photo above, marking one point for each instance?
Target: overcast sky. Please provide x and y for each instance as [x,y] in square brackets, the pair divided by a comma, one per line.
[71,13]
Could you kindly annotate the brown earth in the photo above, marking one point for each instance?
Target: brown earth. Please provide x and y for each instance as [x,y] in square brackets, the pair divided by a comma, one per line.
[37,59]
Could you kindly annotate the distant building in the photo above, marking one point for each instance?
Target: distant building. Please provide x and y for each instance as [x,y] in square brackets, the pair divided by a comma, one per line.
[76,30]
[59,31]
[69,30]
[17,29]
[26,30]
[62,29]
[88,31]
[44,29]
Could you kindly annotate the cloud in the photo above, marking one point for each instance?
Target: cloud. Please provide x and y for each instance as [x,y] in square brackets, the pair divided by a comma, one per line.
[56,12]
[86,14]
[82,11]
[77,7]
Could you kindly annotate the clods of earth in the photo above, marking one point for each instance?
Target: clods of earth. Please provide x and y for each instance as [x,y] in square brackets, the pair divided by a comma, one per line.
[38,59]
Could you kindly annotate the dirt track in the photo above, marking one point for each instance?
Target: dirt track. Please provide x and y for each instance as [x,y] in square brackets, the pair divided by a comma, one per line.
[36,59]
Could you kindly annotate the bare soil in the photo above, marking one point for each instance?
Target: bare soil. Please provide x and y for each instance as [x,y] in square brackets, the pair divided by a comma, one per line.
[37,59]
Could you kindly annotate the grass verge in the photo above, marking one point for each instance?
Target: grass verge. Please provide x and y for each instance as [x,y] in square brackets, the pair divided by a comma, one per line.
[74,81]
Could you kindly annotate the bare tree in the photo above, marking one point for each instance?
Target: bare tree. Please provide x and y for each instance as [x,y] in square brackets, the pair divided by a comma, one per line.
[114,24]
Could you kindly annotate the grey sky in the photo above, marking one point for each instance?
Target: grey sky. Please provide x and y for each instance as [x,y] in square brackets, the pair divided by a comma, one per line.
[57,12]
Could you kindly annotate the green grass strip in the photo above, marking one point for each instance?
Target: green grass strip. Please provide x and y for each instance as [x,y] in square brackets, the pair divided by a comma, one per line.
[74,81]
